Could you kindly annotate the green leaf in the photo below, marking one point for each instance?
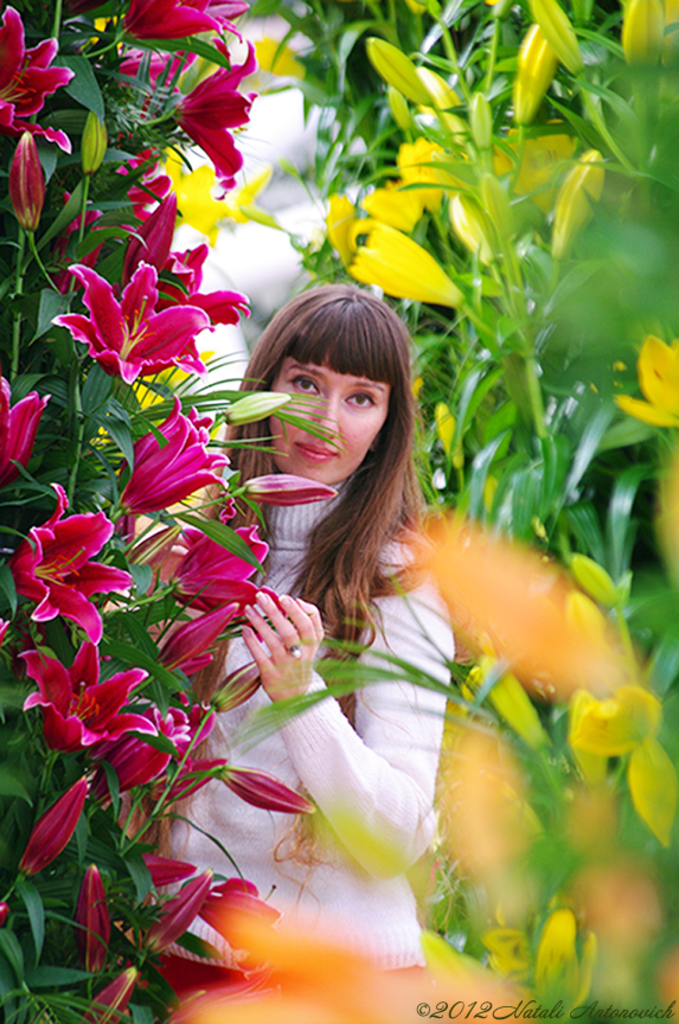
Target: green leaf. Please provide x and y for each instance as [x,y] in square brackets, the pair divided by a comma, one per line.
[51,304]
[84,88]
[140,875]
[224,536]
[36,913]
[10,948]
[192,44]
[8,588]
[48,976]
[71,210]
[131,655]
[96,389]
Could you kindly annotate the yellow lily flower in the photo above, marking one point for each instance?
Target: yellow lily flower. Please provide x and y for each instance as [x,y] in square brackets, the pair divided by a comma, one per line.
[413,163]
[573,208]
[195,205]
[539,158]
[592,766]
[652,781]
[393,206]
[240,203]
[512,703]
[559,972]
[658,370]
[403,269]
[278,59]
[340,221]
[508,952]
[536,67]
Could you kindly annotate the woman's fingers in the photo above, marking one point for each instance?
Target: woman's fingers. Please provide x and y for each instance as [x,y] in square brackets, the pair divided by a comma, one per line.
[293,624]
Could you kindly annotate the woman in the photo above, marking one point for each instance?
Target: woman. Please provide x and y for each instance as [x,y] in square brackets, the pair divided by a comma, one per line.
[342,569]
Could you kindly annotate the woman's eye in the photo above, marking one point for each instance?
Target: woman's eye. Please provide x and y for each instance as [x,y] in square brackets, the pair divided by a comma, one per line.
[363,400]
[304,384]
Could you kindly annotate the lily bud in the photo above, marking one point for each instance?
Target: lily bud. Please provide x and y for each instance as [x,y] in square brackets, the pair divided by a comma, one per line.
[165,870]
[256,405]
[94,143]
[92,937]
[238,687]
[594,580]
[111,1000]
[536,67]
[497,205]
[178,913]
[4,912]
[481,121]
[27,183]
[472,226]
[643,29]
[572,209]
[53,830]
[188,647]
[399,108]
[263,790]
[558,32]
[286,489]
[396,69]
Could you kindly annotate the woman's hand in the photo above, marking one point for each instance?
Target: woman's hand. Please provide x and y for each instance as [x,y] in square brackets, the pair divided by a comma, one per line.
[292,636]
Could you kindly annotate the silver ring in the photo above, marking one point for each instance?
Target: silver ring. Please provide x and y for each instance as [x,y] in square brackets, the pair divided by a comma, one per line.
[295,651]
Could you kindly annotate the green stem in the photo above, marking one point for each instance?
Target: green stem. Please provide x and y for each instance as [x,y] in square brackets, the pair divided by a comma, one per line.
[537,406]
[493,56]
[18,288]
[56,25]
[36,257]
[77,406]
[449,47]
[601,127]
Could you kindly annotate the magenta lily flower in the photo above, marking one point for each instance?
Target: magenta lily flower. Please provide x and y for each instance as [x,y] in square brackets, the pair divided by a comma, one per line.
[213,108]
[178,913]
[53,567]
[109,1002]
[209,576]
[129,338]
[187,647]
[93,935]
[18,427]
[286,489]
[165,870]
[237,897]
[79,710]
[26,78]
[223,306]
[27,183]
[164,476]
[167,19]
[264,790]
[53,829]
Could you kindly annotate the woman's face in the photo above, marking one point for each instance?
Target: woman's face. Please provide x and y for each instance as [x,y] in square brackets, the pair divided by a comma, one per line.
[354,407]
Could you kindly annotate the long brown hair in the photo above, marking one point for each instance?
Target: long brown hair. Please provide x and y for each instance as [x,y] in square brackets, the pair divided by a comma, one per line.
[350,331]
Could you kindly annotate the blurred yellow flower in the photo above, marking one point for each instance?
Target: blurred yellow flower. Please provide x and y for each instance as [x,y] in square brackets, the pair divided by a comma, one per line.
[195,205]
[395,206]
[592,766]
[445,426]
[573,209]
[340,221]
[658,370]
[559,972]
[540,156]
[652,781]
[403,269]
[277,58]
[414,162]
[671,39]
[512,703]
[509,952]
[240,203]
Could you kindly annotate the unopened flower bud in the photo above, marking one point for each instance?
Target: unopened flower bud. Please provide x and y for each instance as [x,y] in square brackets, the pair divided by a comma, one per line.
[572,209]
[558,32]
[472,226]
[94,143]
[53,830]
[238,687]
[256,405]
[643,29]
[594,580]
[497,206]
[396,69]
[4,912]
[27,183]
[399,108]
[109,1003]
[286,489]
[536,67]
[481,121]
[264,790]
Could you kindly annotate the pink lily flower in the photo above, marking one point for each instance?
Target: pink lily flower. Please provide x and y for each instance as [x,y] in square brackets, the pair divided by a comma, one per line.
[264,790]
[187,647]
[27,183]
[53,829]
[237,897]
[209,576]
[178,913]
[223,306]
[18,427]
[26,79]
[79,710]
[164,476]
[215,106]
[129,338]
[109,1003]
[286,489]
[93,935]
[165,870]
[53,568]
[4,626]
[168,19]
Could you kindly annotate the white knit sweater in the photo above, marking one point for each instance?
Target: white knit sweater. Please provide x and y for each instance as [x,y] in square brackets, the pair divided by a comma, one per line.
[376,780]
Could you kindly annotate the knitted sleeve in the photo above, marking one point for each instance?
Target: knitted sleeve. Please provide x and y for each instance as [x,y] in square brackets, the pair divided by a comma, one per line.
[375,784]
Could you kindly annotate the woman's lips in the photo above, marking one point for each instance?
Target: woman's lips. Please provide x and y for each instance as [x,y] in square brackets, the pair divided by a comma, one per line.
[314,453]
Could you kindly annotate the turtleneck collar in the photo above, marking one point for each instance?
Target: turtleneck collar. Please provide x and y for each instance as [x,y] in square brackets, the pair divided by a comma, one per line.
[291,525]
